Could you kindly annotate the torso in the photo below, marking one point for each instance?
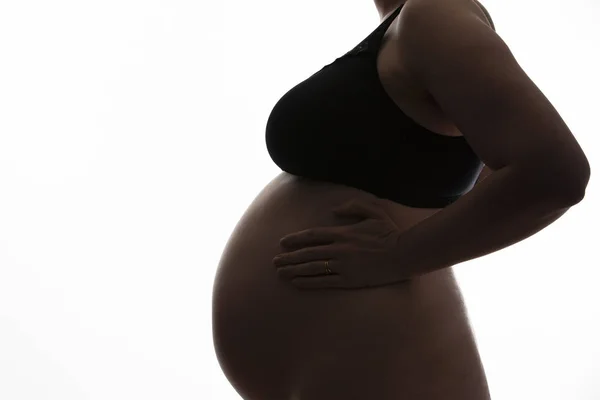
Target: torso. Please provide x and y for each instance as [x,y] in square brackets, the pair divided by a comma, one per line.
[407,341]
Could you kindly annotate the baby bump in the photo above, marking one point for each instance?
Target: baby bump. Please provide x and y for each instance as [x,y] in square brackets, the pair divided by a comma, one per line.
[274,341]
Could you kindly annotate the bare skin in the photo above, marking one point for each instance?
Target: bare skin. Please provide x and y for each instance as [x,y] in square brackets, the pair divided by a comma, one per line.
[407,341]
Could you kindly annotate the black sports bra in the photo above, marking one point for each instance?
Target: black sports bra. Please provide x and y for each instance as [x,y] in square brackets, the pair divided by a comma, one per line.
[339,125]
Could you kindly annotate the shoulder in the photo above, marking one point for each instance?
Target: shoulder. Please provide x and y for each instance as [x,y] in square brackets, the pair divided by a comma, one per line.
[425,28]
[420,9]
[431,32]
[486,14]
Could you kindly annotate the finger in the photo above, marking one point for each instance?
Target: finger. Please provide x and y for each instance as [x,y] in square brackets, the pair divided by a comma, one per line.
[359,208]
[303,270]
[305,255]
[318,282]
[310,237]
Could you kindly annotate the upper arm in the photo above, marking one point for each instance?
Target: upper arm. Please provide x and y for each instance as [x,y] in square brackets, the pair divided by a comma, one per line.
[449,48]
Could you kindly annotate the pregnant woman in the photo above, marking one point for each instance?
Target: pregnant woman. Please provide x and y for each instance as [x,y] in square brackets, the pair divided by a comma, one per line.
[425,146]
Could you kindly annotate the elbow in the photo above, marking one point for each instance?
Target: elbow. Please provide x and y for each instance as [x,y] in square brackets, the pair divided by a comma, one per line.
[579,186]
[566,182]
[571,196]
[576,180]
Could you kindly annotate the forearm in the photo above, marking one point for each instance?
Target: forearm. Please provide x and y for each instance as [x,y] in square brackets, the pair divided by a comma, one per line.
[501,210]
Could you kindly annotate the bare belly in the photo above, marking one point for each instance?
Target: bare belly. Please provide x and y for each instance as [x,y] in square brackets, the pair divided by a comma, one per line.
[274,342]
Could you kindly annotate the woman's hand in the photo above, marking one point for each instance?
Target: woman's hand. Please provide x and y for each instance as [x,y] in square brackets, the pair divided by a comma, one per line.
[361,255]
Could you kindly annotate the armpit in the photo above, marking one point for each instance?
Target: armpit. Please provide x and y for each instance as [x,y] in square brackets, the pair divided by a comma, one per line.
[484,173]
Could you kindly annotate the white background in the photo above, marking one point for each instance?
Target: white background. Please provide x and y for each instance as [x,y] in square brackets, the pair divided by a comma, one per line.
[132,140]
